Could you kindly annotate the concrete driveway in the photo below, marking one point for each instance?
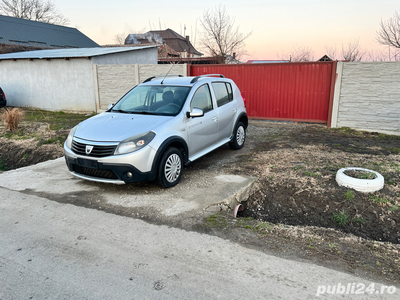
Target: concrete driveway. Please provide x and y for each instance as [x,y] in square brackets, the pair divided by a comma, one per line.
[201,191]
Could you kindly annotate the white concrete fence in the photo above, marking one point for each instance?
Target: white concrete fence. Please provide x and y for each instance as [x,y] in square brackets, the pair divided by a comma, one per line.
[79,86]
[367,96]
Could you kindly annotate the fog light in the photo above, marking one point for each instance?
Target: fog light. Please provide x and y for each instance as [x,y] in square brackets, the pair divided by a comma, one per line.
[129,174]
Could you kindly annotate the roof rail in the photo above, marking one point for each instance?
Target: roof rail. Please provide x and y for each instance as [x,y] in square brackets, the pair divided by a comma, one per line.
[153,77]
[206,75]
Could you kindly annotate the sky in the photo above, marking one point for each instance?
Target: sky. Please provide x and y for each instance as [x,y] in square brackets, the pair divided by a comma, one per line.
[277,26]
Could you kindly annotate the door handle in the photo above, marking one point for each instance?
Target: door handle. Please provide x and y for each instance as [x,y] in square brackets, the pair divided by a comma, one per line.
[235,109]
[215,119]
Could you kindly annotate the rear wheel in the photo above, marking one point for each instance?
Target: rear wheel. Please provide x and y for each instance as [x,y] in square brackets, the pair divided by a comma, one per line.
[239,137]
[170,168]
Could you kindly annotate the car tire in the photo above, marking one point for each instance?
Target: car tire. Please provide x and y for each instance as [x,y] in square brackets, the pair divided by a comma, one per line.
[360,185]
[170,168]
[239,137]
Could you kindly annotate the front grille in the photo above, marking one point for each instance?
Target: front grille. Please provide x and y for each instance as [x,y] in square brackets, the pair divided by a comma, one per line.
[98,151]
[99,173]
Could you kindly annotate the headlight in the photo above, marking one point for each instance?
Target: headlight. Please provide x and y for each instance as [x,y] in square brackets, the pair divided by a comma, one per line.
[68,141]
[135,143]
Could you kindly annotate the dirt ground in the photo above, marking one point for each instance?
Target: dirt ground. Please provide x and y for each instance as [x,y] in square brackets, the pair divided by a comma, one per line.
[298,199]
[296,209]
[297,183]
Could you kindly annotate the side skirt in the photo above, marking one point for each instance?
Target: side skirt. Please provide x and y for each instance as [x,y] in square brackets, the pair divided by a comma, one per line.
[208,150]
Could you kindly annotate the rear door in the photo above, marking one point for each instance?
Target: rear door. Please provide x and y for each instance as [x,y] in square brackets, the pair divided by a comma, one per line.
[226,108]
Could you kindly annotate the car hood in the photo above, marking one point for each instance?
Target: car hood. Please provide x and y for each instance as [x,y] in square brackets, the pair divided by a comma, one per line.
[115,127]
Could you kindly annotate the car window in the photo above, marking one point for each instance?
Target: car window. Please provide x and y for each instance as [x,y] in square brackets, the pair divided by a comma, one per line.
[223,92]
[157,100]
[230,92]
[202,99]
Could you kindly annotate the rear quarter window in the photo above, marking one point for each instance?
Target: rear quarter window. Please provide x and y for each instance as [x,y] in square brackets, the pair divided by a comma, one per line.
[223,92]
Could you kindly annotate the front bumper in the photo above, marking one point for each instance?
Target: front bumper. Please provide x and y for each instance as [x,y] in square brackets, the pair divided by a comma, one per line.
[114,169]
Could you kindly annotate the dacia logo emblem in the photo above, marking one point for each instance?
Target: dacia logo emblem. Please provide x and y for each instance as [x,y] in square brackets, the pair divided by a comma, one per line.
[88,149]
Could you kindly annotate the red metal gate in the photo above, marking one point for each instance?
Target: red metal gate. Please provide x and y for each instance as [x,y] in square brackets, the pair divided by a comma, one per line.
[283,91]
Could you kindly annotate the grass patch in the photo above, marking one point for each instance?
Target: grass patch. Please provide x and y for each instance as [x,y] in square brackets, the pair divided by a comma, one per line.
[393,150]
[383,136]
[360,174]
[57,125]
[59,139]
[15,135]
[3,166]
[60,119]
[263,226]
[331,245]
[349,195]
[296,168]
[358,220]
[311,174]
[347,130]
[216,221]
[341,219]
[379,200]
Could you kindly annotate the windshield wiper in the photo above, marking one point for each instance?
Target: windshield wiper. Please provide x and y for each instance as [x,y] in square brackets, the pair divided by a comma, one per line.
[122,111]
[144,112]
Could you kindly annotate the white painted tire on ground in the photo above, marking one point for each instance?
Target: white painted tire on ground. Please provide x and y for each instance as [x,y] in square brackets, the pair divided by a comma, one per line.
[360,185]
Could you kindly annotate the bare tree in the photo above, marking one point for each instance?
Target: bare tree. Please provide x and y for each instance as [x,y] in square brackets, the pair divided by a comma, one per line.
[377,56]
[120,38]
[302,53]
[35,10]
[299,53]
[352,52]
[220,37]
[389,32]
[390,55]
[331,52]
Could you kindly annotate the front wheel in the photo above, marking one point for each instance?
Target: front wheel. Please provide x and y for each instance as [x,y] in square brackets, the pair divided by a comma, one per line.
[170,168]
[239,137]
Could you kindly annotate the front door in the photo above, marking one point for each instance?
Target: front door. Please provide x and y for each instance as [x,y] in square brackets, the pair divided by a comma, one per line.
[202,131]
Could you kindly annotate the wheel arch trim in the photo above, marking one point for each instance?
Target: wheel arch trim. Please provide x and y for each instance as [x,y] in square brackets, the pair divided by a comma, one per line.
[167,143]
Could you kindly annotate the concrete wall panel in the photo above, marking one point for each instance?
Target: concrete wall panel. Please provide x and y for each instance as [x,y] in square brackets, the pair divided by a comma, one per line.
[370,97]
[146,71]
[115,80]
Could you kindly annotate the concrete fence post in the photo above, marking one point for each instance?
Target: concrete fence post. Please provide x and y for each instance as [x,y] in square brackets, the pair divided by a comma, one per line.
[336,95]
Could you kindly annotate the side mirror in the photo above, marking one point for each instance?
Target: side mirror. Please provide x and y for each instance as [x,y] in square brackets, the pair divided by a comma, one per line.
[110,106]
[195,113]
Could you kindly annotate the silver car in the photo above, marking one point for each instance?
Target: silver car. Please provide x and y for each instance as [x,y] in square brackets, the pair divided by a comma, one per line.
[158,127]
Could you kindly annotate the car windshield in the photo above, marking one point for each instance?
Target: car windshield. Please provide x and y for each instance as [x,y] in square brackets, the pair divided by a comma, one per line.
[153,100]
